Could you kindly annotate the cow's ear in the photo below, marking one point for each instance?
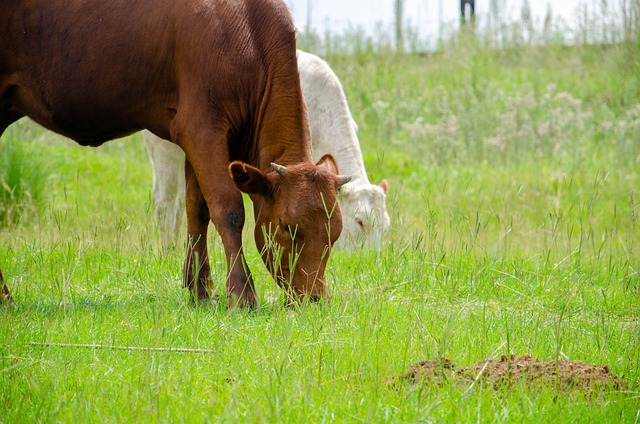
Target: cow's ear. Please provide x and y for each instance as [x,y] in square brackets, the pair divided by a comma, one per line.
[384,185]
[328,162]
[249,179]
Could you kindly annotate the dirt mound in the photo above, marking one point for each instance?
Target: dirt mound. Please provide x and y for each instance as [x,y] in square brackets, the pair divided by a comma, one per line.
[559,375]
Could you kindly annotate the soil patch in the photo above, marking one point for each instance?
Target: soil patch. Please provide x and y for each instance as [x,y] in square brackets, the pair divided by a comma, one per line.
[560,375]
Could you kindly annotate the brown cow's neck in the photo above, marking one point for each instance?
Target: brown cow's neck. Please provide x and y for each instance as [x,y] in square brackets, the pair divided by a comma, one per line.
[283,132]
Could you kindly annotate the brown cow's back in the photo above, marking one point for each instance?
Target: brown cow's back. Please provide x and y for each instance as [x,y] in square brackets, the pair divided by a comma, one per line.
[136,74]
[77,76]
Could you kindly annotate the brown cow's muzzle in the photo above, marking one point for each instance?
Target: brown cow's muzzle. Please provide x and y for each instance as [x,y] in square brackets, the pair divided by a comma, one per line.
[290,270]
[310,286]
[303,286]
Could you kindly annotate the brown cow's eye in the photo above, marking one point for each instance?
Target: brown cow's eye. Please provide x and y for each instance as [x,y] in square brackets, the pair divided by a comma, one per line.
[285,228]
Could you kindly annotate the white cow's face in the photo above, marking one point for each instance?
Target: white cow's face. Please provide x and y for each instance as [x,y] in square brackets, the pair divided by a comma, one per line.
[364,215]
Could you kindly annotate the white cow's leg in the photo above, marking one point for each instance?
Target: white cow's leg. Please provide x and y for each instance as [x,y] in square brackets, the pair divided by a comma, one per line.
[167,160]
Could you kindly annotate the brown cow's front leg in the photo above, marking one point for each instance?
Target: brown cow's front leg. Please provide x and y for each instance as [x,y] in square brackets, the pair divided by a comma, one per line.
[228,217]
[212,195]
[196,265]
[227,214]
[229,221]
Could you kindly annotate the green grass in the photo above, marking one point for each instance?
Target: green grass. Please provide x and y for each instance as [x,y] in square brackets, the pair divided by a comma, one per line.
[22,182]
[515,202]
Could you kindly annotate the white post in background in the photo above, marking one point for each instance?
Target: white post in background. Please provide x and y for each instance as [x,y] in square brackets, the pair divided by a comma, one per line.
[440,20]
[308,24]
[399,18]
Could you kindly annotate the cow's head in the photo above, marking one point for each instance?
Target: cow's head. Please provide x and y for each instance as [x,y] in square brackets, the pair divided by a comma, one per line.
[297,220]
[364,215]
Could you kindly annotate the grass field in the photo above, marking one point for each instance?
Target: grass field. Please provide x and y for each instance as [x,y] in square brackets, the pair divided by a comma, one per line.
[515,206]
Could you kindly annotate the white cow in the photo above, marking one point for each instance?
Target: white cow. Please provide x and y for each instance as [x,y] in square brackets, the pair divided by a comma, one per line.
[363,205]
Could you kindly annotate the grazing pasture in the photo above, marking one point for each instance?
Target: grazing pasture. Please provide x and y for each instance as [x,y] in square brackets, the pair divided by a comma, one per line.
[515,198]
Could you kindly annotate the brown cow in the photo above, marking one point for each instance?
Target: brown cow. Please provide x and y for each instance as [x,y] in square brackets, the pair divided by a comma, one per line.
[217,77]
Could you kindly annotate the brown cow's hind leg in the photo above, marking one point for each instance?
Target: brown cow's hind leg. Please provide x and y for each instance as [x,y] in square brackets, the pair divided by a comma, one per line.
[196,266]
[5,294]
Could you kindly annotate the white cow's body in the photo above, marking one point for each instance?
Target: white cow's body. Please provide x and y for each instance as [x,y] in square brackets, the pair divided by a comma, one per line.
[363,205]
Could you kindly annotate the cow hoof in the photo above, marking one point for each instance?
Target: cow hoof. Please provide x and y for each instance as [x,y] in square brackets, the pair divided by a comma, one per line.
[210,302]
[242,302]
[207,302]
[294,300]
[207,297]
[5,296]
